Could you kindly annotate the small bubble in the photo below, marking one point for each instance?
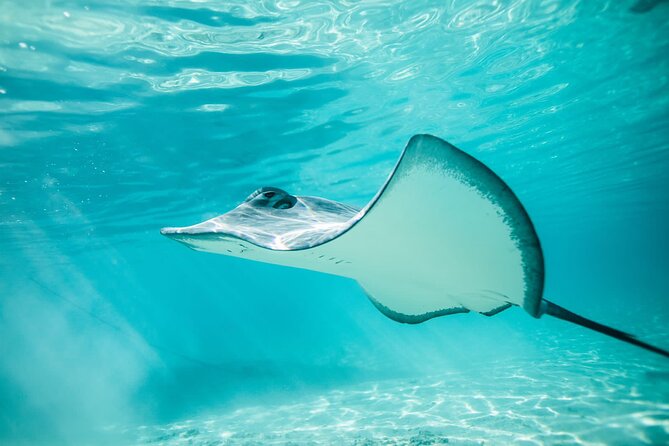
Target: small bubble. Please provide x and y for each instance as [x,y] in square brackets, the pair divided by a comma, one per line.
[3,91]
[66,14]
[23,45]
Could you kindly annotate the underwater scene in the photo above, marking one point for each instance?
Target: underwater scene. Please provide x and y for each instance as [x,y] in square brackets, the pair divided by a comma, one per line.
[122,118]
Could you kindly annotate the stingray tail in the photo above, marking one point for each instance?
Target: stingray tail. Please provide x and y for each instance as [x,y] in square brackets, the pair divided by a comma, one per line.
[557,311]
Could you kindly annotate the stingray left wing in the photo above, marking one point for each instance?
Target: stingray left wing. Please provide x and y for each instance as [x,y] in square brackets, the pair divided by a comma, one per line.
[444,235]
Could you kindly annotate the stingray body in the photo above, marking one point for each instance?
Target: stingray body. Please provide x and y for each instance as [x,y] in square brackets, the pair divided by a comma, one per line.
[444,235]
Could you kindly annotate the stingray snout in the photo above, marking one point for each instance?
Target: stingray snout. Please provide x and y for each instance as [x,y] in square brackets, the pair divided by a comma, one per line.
[205,227]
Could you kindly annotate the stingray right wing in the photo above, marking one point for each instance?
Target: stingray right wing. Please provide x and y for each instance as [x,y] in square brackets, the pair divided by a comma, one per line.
[444,235]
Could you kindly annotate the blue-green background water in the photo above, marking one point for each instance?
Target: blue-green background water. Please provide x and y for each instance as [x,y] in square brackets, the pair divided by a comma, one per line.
[118,118]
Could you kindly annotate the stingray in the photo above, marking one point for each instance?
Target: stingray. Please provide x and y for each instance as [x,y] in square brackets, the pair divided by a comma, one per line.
[444,235]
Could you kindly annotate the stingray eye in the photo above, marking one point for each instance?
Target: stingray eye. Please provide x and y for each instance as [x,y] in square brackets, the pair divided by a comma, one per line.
[269,194]
[286,202]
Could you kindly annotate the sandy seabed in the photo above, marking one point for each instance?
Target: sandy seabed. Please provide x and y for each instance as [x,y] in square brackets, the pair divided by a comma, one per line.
[569,399]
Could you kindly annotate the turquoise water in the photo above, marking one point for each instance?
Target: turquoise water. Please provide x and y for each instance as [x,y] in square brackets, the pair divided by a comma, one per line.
[119,118]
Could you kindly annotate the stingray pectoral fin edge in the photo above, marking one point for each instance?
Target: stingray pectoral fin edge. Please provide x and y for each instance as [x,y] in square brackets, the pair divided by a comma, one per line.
[412,318]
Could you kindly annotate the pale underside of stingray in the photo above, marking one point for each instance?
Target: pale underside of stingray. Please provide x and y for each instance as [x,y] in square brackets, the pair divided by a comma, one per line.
[444,235]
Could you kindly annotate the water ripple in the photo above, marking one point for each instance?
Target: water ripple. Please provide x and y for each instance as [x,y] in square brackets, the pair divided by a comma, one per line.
[201,79]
